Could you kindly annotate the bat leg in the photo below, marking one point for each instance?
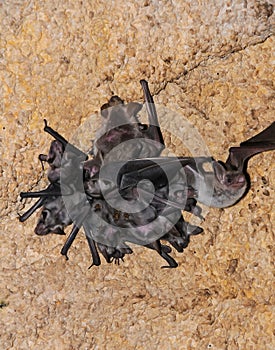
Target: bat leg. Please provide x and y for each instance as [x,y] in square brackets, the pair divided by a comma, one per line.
[93,249]
[30,211]
[163,251]
[153,130]
[103,250]
[42,158]
[176,241]
[53,190]
[39,194]
[69,241]
[179,235]
[95,256]
[63,141]
[172,262]
[83,212]
[192,207]
[187,229]
[55,134]
[193,230]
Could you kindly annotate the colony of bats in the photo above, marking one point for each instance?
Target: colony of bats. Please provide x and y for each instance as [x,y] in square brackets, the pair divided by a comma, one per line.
[124,191]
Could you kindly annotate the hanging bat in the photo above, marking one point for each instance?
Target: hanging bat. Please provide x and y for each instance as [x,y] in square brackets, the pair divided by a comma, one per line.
[178,184]
[121,124]
[222,187]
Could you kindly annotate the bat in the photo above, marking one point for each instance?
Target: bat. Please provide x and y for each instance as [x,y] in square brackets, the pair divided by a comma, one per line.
[222,187]
[124,178]
[120,124]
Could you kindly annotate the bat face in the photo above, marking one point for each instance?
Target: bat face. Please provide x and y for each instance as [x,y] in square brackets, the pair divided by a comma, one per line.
[229,178]
[53,219]
[229,186]
[153,191]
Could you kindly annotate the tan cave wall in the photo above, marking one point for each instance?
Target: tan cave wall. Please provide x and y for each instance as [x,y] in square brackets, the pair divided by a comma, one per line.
[210,61]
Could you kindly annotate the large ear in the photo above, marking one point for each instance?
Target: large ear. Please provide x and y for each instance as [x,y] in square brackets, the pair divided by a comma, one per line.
[132,108]
[219,170]
[114,101]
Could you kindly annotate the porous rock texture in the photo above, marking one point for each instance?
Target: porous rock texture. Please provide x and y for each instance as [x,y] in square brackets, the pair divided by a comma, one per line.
[210,61]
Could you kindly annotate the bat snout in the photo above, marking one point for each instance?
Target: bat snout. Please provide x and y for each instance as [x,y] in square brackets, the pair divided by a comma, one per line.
[239,181]
[235,180]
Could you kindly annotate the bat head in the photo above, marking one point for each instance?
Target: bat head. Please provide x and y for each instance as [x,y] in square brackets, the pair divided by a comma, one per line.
[90,168]
[117,113]
[229,178]
[53,218]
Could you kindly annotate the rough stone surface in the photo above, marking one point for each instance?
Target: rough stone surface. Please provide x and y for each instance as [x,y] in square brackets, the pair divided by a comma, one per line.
[211,62]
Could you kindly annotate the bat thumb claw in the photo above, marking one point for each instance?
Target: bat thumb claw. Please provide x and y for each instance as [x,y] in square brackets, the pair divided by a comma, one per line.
[169,267]
[65,254]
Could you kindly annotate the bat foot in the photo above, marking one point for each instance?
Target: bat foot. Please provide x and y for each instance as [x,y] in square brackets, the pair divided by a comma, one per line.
[45,123]
[172,264]
[170,267]
[64,253]
[194,230]
[93,264]
[117,260]
[20,217]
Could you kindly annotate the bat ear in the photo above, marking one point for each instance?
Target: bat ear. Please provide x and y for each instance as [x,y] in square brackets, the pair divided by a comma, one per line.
[58,231]
[219,170]
[114,101]
[133,108]
[104,110]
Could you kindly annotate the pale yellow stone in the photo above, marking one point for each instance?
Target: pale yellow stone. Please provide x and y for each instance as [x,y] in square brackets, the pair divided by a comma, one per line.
[210,63]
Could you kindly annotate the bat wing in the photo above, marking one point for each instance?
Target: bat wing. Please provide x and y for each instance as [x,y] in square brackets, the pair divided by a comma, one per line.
[262,142]
[267,136]
[130,173]
[158,170]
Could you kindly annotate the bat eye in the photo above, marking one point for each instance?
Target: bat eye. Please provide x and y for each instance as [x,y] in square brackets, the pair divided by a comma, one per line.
[235,180]
[229,179]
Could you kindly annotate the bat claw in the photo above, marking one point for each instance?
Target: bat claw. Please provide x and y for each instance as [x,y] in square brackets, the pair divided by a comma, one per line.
[170,267]
[66,256]
[93,264]
[117,260]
